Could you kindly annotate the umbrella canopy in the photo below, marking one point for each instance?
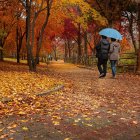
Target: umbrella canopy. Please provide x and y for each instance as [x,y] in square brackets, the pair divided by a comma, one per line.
[111,33]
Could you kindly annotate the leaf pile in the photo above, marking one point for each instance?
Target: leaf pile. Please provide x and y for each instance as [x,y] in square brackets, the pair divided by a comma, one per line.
[18,89]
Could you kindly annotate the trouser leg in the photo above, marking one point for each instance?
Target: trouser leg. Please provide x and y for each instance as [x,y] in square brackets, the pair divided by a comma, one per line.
[99,65]
[113,67]
[105,67]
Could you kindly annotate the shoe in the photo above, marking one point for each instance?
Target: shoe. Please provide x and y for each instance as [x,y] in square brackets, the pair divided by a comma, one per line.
[102,75]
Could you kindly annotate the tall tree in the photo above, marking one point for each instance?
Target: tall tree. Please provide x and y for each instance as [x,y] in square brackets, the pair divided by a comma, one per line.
[80,12]
[7,22]
[33,10]
[138,23]
[110,9]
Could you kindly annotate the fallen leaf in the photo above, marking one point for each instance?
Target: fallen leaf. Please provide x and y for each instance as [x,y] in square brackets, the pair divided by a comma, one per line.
[21,113]
[56,123]
[25,128]
[67,139]
[87,119]
[135,122]
[88,124]
[24,120]
[1,129]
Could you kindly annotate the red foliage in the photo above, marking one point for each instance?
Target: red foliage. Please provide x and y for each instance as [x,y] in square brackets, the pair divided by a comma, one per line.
[69,29]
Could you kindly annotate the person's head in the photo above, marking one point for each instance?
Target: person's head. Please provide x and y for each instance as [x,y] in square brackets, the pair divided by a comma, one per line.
[104,37]
[113,39]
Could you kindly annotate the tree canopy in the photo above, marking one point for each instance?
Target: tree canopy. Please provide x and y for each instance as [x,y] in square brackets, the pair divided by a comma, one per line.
[31,26]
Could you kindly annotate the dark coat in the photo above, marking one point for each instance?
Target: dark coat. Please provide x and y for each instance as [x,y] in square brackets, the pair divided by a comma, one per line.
[102,49]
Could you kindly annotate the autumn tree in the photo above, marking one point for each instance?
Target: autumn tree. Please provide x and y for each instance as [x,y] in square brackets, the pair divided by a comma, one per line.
[132,19]
[33,10]
[7,22]
[20,29]
[138,24]
[111,10]
[68,35]
[80,12]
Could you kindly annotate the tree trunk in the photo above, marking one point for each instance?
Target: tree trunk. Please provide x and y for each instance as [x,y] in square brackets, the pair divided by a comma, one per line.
[18,56]
[85,47]
[138,56]
[30,59]
[55,55]
[1,55]
[66,52]
[69,48]
[39,44]
[138,61]
[79,43]
[1,51]
[131,20]
[17,43]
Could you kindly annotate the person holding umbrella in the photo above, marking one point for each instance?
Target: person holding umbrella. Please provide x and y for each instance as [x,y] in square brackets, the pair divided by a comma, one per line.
[102,50]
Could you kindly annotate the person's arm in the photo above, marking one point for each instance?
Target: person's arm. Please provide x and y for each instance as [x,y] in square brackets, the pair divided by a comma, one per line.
[111,48]
[119,49]
[98,47]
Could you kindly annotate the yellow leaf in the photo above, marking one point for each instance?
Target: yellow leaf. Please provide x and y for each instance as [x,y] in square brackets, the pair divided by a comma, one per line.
[24,120]
[56,123]
[25,128]
[67,139]
[88,124]
[1,129]
[74,124]
[21,113]
[77,120]
[56,117]
[87,119]
[37,104]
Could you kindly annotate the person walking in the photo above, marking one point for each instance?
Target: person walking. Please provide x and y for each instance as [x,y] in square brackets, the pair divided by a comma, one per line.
[114,55]
[102,50]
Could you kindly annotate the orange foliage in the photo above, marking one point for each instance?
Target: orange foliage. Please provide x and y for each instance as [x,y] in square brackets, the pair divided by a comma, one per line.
[125,45]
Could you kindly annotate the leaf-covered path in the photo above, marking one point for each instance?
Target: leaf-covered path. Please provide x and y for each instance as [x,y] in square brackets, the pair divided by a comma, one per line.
[88,108]
[110,106]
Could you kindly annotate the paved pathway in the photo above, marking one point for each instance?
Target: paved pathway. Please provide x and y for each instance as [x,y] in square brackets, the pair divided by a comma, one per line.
[94,109]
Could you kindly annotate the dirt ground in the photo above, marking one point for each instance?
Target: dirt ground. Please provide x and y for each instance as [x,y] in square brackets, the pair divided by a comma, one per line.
[94,109]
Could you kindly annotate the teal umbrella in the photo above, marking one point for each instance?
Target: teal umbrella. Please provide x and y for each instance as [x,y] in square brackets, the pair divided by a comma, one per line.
[111,33]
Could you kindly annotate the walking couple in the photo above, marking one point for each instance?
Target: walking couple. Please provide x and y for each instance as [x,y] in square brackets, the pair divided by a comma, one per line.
[104,51]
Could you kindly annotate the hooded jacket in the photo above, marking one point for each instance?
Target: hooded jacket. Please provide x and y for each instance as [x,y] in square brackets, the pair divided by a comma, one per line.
[103,49]
[114,51]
